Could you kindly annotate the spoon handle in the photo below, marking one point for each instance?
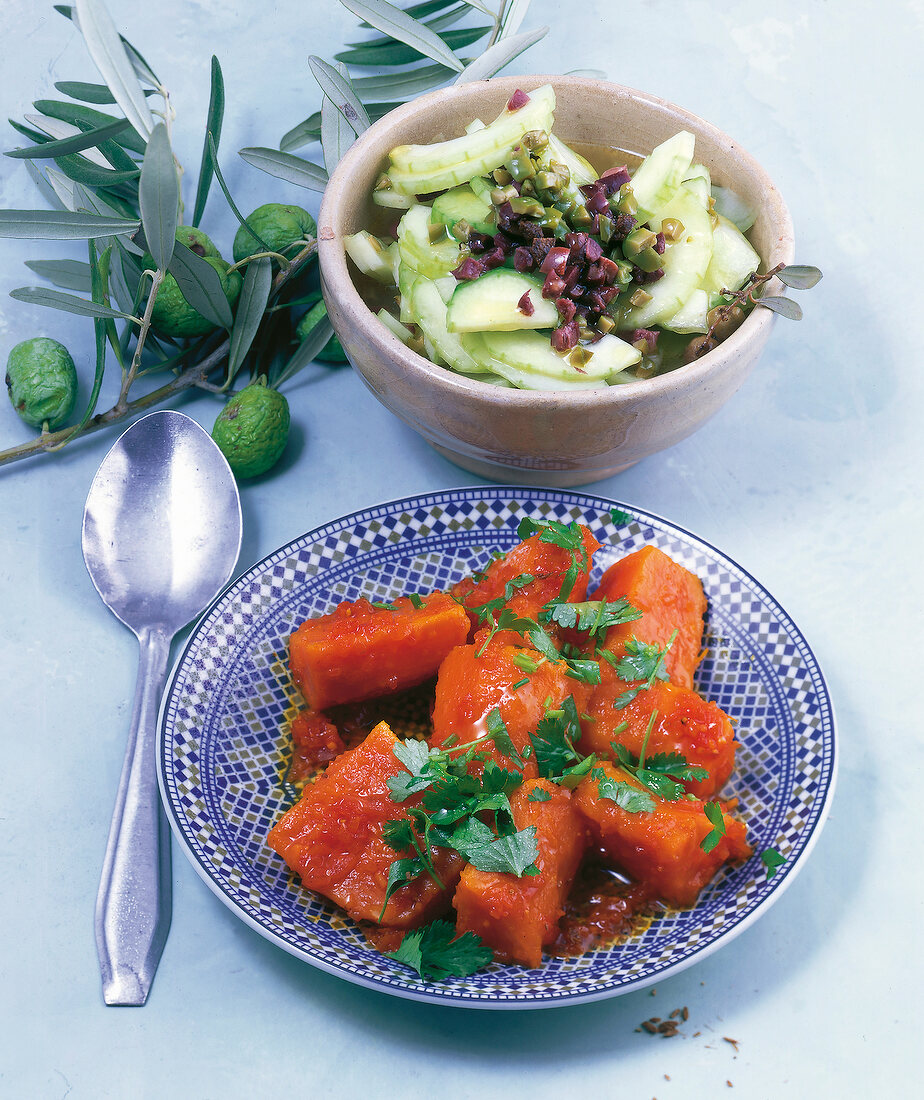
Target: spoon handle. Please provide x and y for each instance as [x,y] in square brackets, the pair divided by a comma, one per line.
[134,900]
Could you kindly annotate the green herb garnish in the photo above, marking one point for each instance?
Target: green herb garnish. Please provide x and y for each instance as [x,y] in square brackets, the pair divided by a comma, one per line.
[434,952]
[772,861]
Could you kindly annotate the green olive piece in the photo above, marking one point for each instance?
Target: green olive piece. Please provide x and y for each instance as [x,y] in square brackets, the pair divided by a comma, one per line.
[172,315]
[42,382]
[252,429]
[278,225]
[197,241]
[332,352]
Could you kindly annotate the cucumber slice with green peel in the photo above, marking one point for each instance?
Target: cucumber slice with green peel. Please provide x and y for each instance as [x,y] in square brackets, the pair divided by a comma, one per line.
[539,366]
[394,200]
[582,171]
[432,258]
[685,262]
[698,172]
[406,277]
[731,206]
[522,379]
[691,317]
[482,187]
[491,303]
[733,260]
[420,169]
[429,311]
[394,326]
[474,126]
[446,286]
[701,188]
[462,204]
[371,256]
[659,176]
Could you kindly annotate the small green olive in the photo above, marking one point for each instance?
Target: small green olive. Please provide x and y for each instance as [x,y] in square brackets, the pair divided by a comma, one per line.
[276,224]
[252,429]
[42,382]
[332,352]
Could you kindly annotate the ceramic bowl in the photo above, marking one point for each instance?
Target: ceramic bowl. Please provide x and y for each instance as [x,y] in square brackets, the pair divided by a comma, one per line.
[549,438]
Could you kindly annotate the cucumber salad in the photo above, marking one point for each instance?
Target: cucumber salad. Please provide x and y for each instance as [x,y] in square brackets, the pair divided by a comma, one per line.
[514,262]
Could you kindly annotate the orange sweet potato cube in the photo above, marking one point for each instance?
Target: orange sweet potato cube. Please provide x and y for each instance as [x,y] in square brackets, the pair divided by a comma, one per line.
[669,597]
[360,652]
[332,838]
[661,848]
[514,916]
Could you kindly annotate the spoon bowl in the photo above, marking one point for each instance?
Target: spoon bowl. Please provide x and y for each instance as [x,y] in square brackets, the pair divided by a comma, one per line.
[161,536]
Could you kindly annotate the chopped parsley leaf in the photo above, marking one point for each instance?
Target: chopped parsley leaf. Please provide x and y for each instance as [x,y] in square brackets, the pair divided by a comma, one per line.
[627,797]
[772,861]
[713,811]
[434,952]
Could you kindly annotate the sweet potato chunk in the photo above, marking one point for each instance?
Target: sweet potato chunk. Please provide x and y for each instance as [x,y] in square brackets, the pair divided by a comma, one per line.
[533,557]
[332,838]
[514,916]
[469,687]
[669,597]
[660,848]
[685,723]
[359,651]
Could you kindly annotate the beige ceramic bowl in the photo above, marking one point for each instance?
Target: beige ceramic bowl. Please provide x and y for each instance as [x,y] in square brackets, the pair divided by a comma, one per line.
[542,438]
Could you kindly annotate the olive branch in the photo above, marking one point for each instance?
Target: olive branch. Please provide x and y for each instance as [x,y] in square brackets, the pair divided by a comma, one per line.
[113,181]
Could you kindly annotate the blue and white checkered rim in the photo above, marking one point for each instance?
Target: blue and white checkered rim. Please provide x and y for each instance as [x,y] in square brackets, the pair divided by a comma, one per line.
[224,743]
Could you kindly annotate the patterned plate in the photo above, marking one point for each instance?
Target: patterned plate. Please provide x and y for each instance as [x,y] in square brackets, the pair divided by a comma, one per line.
[223,733]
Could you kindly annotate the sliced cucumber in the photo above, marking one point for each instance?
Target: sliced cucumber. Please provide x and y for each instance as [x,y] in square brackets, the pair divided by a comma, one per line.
[527,359]
[394,326]
[691,317]
[491,303]
[658,177]
[429,312]
[462,204]
[420,169]
[406,277]
[428,257]
[475,125]
[370,256]
[482,187]
[685,262]
[582,171]
[446,286]
[731,206]
[394,200]
[733,259]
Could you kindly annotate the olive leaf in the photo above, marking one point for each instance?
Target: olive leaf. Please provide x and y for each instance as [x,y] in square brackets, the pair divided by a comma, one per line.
[499,55]
[89,93]
[109,54]
[402,85]
[800,276]
[307,350]
[159,197]
[786,307]
[250,309]
[49,130]
[441,22]
[56,299]
[310,130]
[68,274]
[61,225]
[213,121]
[337,133]
[213,155]
[400,54]
[80,170]
[86,118]
[77,143]
[336,87]
[200,285]
[287,167]
[40,180]
[513,18]
[142,69]
[404,28]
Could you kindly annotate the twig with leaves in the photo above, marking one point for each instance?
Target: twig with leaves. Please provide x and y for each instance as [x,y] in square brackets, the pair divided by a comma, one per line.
[115,183]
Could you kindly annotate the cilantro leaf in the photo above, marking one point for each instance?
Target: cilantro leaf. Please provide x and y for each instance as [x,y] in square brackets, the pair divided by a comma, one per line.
[642,661]
[508,620]
[619,517]
[663,773]
[772,861]
[713,811]
[538,794]
[398,834]
[553,741]
[400,873]
[592,616]
[627,797]
[586,671]
[417,757]
[517,583]
[568,537]
[433,952]
[499,734]
[513,854]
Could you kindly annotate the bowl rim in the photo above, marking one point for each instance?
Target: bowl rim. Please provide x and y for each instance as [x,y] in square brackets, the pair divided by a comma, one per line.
[337,281]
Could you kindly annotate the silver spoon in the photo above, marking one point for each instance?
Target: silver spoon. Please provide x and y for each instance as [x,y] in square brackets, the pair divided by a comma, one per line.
[161,536]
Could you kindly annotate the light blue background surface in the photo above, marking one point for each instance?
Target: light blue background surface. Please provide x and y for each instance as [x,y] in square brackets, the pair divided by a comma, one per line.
[811,478]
